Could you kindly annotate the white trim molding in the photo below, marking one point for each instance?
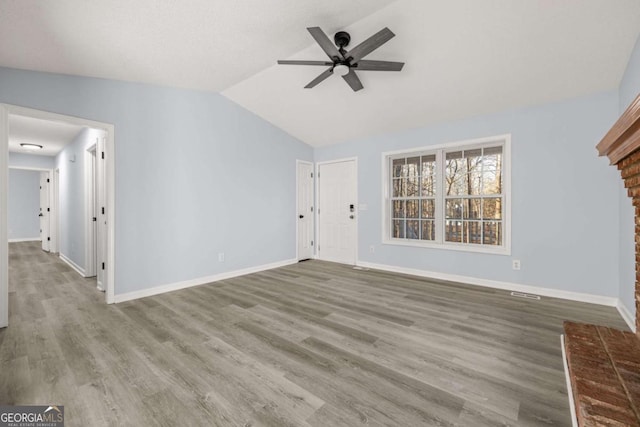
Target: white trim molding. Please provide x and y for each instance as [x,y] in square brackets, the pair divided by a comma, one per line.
[156,290]
[572,406]
[627,316]
[25,239]
[72,264]
[508,286]
[4,245]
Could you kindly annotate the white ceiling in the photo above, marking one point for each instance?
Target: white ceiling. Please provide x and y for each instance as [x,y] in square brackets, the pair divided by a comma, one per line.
[463,57]
[53,136]
[199,44]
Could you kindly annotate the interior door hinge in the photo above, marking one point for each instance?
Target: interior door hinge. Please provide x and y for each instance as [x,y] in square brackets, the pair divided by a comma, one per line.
[103,265]
[95,219]
[48,239]
[311,174]
[312,243]
[48,210]
[311,208]
[103,154]
[103,210]
[47,179]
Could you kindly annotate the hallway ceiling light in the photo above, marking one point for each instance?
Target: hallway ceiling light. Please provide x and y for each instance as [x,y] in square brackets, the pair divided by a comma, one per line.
[31,146]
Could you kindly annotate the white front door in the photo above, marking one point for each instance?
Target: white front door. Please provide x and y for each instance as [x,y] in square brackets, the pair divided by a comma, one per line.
[337,209]
[44,210]
[305,210]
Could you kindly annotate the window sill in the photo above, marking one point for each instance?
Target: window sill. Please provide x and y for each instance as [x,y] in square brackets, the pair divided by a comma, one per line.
[450,247]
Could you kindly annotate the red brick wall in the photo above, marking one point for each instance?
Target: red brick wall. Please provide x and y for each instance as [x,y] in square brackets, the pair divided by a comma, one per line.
[630,169]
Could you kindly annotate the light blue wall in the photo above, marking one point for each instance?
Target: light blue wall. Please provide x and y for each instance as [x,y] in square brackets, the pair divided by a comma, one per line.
[628,91]
[20,160]
[196,175]
[630,83]
[564,230]
[72,197]
[23,204]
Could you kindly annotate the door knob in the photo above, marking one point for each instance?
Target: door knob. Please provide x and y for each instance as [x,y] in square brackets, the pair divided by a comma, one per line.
[40,215]
[300,216]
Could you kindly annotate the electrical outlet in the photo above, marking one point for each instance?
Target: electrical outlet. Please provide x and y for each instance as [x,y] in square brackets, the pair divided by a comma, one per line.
[221,257]
[516,264]
[372,249]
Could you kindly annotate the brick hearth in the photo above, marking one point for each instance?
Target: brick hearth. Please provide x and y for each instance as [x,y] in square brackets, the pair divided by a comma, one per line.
[604,367]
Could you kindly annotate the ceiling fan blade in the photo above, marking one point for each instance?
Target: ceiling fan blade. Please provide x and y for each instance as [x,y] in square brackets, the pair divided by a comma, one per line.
[366,65]
[370,44]
[353,80]
[320,78]
[325,43]
[295,62]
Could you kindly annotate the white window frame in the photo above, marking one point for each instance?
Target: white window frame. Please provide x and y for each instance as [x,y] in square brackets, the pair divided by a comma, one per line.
[439,149]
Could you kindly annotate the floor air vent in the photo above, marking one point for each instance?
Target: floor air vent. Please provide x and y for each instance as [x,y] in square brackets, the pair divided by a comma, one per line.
[523,295]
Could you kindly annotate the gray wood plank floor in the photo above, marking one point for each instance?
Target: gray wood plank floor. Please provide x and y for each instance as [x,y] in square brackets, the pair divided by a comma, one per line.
[312,344]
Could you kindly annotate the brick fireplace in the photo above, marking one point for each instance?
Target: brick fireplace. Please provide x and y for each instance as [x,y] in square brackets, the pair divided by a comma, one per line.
[604,363]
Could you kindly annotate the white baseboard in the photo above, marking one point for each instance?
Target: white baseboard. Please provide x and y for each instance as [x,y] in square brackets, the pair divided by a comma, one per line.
[572,406]
[25,239]
[199,281]
[72,264]
[626,315]
[527,289]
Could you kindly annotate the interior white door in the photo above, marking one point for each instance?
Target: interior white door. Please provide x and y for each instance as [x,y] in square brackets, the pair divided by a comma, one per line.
[337,209]
[305,210]
[44,210]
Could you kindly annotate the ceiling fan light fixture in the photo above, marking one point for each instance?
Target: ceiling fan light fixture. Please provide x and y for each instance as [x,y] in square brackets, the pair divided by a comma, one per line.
[33,147]
[341,70]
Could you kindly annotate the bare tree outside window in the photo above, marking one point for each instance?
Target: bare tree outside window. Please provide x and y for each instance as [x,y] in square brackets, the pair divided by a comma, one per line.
[413,197]
[473,196]
[471,204]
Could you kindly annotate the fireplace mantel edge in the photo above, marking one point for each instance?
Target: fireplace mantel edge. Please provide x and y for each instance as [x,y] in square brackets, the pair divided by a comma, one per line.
[624,136]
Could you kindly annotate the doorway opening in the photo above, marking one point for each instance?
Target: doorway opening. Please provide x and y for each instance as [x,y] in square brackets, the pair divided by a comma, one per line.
[97,258]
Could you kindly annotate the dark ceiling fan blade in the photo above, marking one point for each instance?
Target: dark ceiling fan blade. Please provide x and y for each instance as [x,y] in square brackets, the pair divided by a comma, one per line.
[320,78]
[325,43]
[370,44]
[366,65]
[295,62]
[353,80]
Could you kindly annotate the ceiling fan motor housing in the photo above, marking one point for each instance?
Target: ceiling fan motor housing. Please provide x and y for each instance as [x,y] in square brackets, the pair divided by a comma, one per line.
[342,39]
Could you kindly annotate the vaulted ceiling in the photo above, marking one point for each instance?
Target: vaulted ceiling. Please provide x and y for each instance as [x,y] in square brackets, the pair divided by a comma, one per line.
[463,57]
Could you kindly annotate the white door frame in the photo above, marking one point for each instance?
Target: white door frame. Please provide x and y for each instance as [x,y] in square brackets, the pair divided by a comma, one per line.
[54,219]
[4,242]
[53,229]
[45,230]
[318,207]
[5,111]
[313,217]
[90,177]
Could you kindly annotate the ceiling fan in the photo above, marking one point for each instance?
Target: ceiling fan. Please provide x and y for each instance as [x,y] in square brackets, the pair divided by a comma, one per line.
[345,63]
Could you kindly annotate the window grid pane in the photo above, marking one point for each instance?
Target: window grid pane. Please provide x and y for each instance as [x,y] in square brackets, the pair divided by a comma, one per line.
[472,203]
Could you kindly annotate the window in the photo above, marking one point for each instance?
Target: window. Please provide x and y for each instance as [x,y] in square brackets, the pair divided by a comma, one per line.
[451,196]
